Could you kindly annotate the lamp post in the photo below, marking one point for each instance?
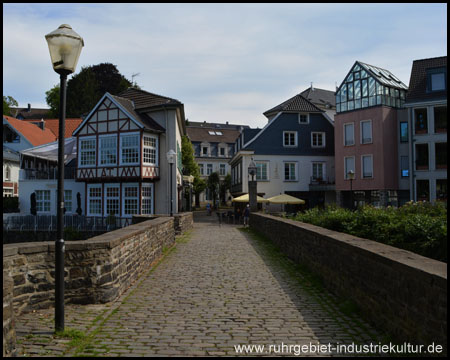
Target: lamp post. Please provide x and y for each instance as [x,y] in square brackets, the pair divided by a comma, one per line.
[351,176]
[171,160]
[65,46]
[252,193]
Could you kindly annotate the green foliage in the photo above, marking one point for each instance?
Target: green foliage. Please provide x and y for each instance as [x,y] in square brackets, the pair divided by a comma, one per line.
[418,227]
[71,234]
[10,204]
[190,167]
[8,102]
[52,99]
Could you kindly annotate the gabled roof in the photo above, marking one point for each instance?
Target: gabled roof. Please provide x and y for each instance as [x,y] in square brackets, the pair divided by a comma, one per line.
[32,113]
[296,103]
[34,134]
[53,124]
[418,80]
[319,96]
[249,134]
[216,125]
[143,99]
[205,134]
[383,76]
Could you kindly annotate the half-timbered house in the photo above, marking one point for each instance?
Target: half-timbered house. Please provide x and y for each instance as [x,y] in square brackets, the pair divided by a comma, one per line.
[121,158]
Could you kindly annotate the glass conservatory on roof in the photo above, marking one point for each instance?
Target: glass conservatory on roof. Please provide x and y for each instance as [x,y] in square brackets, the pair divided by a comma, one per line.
[366,86]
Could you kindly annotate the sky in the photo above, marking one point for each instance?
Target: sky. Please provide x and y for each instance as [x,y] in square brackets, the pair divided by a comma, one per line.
[223,61]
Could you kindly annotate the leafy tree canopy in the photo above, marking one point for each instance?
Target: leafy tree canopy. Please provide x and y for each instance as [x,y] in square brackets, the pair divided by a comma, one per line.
[8,102]
[86,88]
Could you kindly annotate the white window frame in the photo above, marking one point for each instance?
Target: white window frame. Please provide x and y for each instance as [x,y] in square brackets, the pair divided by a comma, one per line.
[7,173]
[80,151]
[44,201]
[68,201]
[347,170]
[362,166]
[266,163]
[295,139]
[353,125]
[361,138]
[295,171]
[324,169]
[100,138]
[88,205]
[156,149]
[146,198]
[307,118]
[125,198]
[138,147]
[105,196]
[209,166]
[224,167]
[208,149]
[323,135]
[224,151]
[201,168]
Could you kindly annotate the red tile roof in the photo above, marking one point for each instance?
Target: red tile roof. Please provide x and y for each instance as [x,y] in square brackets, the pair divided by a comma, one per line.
[53,125]
[34,134]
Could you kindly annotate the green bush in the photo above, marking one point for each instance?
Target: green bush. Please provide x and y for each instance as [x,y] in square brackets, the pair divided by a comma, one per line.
[10,204]
[417,227]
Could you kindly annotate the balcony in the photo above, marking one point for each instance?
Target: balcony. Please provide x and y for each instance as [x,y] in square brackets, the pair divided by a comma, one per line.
[322,184]
[45,174]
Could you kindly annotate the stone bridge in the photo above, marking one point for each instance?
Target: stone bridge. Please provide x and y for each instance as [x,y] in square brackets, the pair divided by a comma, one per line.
[220,291]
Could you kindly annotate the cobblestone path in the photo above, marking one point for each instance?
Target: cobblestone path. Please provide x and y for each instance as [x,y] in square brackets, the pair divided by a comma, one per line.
[221,288]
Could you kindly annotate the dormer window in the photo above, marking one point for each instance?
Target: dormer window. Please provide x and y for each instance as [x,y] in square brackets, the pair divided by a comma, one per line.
[436,79]
[303,119]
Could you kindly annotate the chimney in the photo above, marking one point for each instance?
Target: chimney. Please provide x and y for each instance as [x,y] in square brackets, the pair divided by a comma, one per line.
[29,108]
[42,124]
[312,88]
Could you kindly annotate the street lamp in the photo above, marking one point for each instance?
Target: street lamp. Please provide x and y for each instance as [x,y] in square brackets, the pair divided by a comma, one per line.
[252,192]
[65,46]
[171,160]
[351,177]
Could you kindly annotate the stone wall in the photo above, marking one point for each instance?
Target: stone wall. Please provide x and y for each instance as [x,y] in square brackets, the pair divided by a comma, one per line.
[97,270]
[182,221]
[9,332]
[399,291]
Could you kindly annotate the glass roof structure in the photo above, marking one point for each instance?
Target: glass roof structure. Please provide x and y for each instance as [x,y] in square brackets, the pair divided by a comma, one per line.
[366,86]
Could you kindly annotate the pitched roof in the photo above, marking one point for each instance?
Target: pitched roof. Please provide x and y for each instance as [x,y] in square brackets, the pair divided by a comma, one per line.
[384,76]
[418,80]
[249,134]
[53,124]
[296,103]
[33,113]
[216,125]
[205,134]
[319,96]
[143,99]
[34,134]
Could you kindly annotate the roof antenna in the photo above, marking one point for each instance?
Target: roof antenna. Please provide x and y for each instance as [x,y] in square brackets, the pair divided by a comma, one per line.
[132,79]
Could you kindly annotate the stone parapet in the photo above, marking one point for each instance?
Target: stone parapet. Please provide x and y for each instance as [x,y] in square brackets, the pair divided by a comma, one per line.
[398,291]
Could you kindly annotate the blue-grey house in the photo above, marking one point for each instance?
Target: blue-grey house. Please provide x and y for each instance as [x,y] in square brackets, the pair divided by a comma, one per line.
[294,154]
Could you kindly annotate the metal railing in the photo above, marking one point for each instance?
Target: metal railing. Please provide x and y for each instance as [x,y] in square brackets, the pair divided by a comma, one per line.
[46,174]
[76,222]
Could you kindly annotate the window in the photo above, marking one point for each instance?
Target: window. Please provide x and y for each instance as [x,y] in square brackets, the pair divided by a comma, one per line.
[403,131]
[108,150]
[349,134]
[421,156]
[289,138]
[68,200]
[261,171]
[423,190]
[440,119]
[404,166]
[130,149]
[87,152]
[318,171]
[222,169]
[150,150]
[436,79]
[303,118]
[94,200]
[421,121]
[221,151]
[8,173]
[366,132]
[112,196]
[441,155]
[349,164]
[441,189]
[42,201]
[290,171]
[147,199]
[367,166]
[202,169]
[209,169]
[130,200]
[317,139]
[205,150]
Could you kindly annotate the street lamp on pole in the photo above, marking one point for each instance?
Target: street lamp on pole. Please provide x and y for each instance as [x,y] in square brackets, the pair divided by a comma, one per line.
[171,160]
[65,46]
[252,191]
[351,177]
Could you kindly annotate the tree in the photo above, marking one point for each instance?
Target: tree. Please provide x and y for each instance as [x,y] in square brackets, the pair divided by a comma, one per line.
[190,167]
[213,185]
[224,186]
[8,102]
[198,188]
[86,88]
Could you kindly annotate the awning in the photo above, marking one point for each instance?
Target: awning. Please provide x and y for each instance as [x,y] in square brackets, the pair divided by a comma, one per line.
[245,198]
[285,199]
